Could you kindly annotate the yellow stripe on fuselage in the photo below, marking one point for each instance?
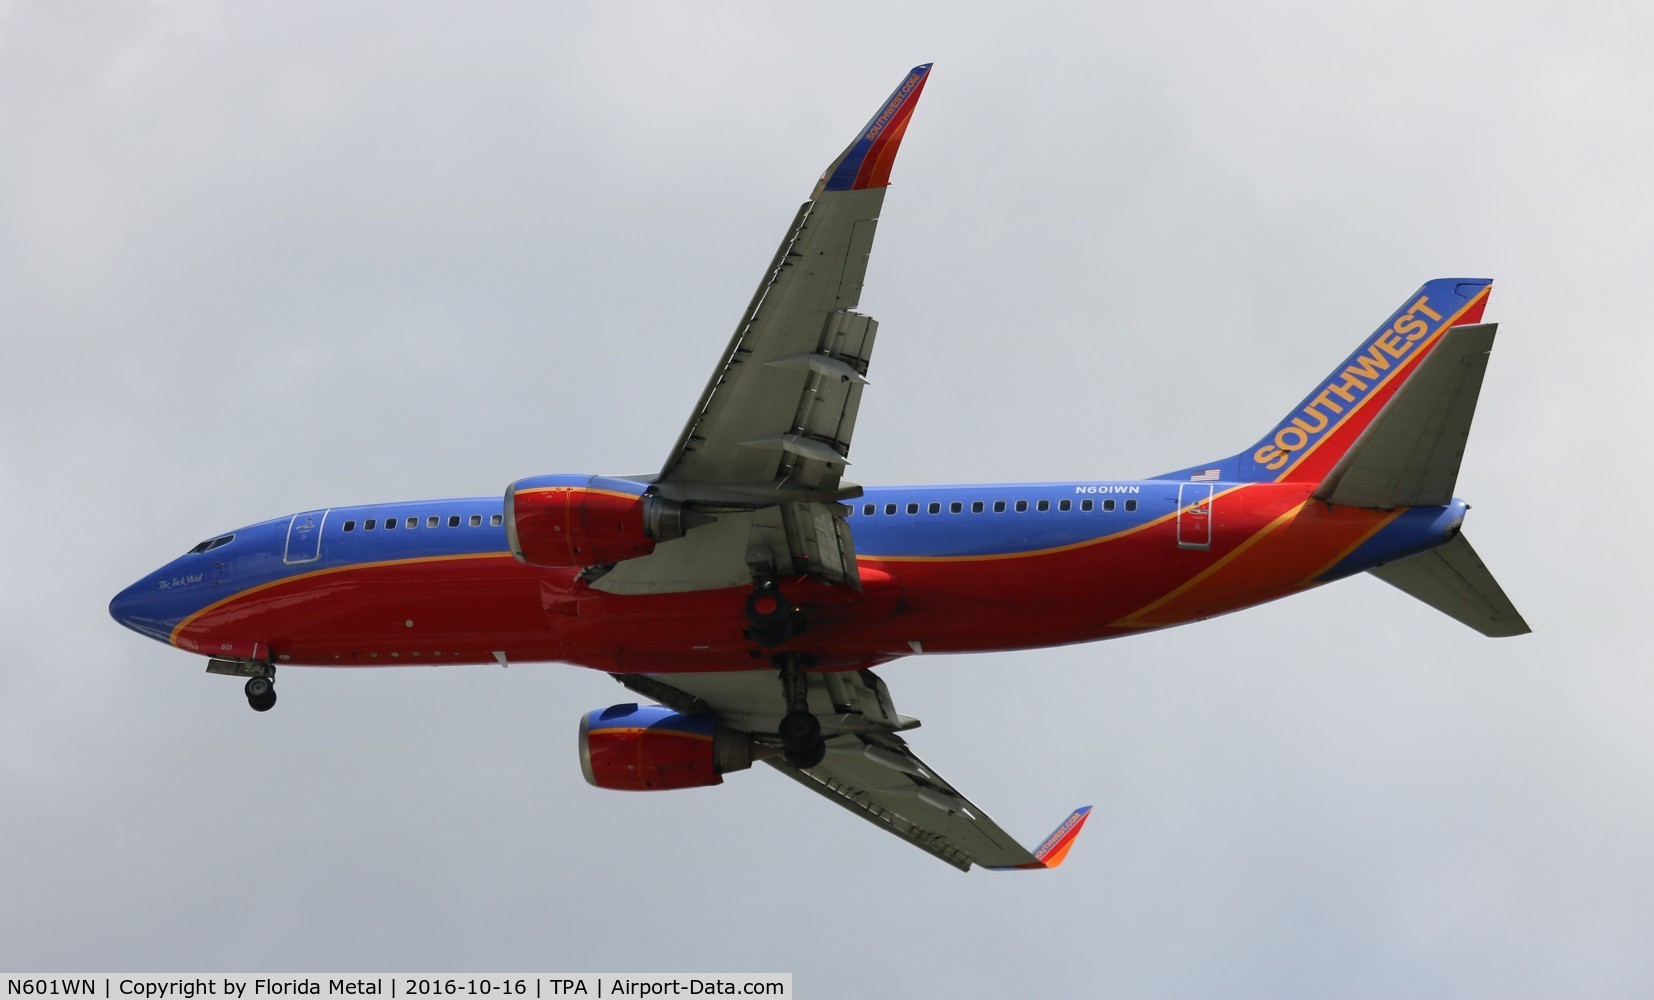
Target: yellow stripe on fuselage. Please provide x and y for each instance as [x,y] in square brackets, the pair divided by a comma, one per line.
[173,637]
[1135,617]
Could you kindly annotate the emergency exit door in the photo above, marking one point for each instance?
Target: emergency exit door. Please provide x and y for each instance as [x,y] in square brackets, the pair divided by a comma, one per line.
[304,537]
[1194,515]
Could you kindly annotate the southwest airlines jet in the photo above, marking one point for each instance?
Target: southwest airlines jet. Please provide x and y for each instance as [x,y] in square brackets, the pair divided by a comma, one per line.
[749,591]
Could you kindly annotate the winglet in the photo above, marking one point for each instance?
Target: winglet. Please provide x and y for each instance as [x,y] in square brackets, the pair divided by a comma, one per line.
[1054,849]
[866,164]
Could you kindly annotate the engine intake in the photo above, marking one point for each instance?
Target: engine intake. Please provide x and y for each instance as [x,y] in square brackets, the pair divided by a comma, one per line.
[589,520]
[649,748]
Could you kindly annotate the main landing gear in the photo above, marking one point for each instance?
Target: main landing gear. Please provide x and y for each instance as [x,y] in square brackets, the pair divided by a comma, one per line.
[800,730]
[261,692]
[771,621]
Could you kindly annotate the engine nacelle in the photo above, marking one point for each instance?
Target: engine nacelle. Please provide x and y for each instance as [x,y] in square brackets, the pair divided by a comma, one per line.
[649,748]
[586,520]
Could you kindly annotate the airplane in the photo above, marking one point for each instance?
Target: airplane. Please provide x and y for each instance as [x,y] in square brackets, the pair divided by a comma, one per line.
[748,590]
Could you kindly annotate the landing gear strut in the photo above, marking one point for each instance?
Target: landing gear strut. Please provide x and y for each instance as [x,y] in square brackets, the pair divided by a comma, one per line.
[800,730]
[261,692]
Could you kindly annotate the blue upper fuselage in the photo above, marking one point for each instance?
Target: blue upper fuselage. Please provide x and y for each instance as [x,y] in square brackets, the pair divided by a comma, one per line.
[886,522]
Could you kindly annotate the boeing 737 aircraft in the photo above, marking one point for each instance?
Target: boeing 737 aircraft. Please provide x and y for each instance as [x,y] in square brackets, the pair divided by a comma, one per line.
[750,590]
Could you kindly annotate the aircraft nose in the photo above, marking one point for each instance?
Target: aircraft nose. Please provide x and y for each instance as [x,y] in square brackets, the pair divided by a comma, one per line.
[138,607]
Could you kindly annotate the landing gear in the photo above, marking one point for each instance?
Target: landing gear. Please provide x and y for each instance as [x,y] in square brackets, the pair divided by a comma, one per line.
[261,693]
[800,730]
[770,620]
[801,749]
[806,759]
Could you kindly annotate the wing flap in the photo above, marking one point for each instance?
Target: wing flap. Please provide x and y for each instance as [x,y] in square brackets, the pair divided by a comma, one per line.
[867,808]
[819,540]
[712,556]
[772,428]
[868,769]
[758,391]
[877,777]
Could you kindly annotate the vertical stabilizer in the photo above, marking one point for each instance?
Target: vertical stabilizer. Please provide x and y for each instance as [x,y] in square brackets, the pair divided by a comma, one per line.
[1308,443]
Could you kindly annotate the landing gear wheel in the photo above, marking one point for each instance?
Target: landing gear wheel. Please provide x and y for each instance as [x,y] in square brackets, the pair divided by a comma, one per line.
[799,731]
[801,740]
[261,694]
[770,620]
[806,759]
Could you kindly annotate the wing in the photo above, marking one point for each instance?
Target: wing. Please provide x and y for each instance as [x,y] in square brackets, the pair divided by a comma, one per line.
[868,769]
[767,444]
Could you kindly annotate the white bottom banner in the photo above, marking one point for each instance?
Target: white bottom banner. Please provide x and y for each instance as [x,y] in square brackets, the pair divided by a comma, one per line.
[496,986]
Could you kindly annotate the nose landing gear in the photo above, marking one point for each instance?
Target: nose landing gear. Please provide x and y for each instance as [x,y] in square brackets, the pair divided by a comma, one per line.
[260,674]
[261,693]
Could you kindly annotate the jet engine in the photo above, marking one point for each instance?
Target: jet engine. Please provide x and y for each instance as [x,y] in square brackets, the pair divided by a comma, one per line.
[649,748]
[588,520]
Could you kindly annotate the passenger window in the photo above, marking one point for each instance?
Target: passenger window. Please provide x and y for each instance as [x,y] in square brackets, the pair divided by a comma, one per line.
[868,509]
[476,520]
[390,522]
[934,508]
[890,508]
[350,525]
[999,506]
[1085,505]
[956,507]
[913,508]
[453,520]
[976,507]
[1131,504]
[432,521]
[1044,505]
[1022,505]
[1108,505]
[497,520]
[413,522]
[371,523]
[1065,505]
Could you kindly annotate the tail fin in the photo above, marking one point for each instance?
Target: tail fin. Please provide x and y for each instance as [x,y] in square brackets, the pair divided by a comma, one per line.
[1312,439]
[1410,452]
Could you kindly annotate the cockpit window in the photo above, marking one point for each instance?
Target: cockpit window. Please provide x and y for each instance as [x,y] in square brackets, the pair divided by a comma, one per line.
[212,543]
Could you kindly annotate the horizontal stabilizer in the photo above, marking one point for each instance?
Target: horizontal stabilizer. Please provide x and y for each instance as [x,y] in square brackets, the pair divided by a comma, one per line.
[1454,580]
[1409,455]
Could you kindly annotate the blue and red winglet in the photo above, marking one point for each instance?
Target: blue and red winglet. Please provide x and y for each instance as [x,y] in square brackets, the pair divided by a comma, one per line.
[866,164]
[1054,849]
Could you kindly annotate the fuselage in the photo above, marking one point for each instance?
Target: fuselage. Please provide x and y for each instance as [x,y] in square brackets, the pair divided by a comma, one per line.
[956,568]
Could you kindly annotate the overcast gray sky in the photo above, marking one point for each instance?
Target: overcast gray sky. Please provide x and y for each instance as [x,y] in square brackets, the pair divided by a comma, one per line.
[259,258]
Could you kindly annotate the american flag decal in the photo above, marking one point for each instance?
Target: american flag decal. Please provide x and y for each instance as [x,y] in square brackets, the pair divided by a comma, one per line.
[1209,476]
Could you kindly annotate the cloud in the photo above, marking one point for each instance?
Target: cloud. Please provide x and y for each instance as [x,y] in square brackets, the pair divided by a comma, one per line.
[256,260]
